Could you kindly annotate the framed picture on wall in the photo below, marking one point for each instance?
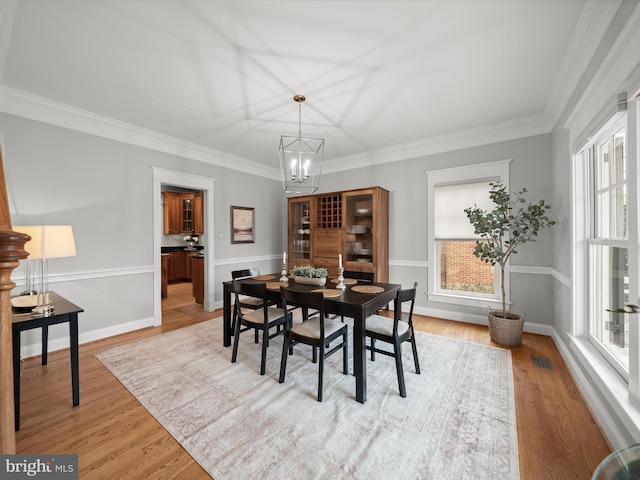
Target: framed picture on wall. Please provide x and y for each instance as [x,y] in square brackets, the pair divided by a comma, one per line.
[242,225]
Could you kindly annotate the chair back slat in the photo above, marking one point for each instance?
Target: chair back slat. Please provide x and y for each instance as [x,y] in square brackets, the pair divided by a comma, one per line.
[404,296]
[312,300]
[244,273]
[258,290]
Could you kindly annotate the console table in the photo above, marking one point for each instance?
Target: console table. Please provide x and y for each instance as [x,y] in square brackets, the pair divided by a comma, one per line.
[64,311]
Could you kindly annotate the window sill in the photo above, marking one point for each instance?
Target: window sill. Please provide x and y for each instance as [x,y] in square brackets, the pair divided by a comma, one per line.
[464,300]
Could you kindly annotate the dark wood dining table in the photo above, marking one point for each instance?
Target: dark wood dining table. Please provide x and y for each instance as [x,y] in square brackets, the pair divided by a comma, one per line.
[350,303]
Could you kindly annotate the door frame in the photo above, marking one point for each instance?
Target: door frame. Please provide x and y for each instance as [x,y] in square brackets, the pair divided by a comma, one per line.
[195,182]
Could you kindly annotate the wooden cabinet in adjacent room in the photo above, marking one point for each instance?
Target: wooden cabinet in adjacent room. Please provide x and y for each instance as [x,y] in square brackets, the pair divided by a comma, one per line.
[179,266]
[183,212]
[198,210]
[172,214]
[351,223]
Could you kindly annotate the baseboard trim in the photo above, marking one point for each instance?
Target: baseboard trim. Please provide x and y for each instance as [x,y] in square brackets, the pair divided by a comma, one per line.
[35,349]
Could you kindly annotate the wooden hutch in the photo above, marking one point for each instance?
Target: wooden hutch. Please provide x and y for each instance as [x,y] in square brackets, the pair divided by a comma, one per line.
[351,223]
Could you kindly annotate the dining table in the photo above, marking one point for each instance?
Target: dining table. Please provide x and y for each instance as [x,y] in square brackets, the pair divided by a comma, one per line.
[357,301]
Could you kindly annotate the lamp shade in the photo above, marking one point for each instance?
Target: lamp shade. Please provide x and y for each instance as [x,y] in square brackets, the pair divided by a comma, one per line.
[48,241]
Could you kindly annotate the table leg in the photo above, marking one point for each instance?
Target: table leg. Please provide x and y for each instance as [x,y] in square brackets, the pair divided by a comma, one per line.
[226,316]
[75,364]
[16,376]
[360,358]
[45,343]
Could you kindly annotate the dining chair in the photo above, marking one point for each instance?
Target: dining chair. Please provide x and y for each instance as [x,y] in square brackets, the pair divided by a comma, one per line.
[318,332]
[395,331]
[245,301]
[259,320]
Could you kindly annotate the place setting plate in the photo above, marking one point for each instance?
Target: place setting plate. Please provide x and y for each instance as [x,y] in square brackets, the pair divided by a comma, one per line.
[276,285]
[347,281]
[263,277]
[367,289]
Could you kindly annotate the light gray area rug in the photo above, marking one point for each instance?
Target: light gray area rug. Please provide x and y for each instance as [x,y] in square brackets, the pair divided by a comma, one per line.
[458,420]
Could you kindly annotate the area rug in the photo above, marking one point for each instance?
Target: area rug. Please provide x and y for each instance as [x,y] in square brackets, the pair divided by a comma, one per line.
[457,421]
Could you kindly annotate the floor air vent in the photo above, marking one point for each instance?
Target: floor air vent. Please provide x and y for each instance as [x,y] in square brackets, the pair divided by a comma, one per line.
[542,362]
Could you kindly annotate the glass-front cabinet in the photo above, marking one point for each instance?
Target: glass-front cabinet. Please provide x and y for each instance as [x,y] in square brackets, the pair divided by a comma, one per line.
[299,231]
[359,228]
[351,223]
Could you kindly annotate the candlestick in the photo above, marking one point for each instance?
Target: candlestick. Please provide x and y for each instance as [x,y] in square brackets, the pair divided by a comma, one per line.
[340,260]
[283,274]
[341,285]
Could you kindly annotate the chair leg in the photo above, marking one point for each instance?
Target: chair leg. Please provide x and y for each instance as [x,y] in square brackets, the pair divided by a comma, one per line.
[373,346]
[255,339]
[320,373]
[236,337]
[397,350]
[265,344]
[314,355]
[345,354]
[283,360]
[234,317]
[415,353]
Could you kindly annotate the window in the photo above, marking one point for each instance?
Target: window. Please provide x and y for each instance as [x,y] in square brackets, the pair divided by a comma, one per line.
[608,244]
[455,274]
[459,270]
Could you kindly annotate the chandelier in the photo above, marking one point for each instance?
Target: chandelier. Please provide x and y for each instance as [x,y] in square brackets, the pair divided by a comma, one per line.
[300,159]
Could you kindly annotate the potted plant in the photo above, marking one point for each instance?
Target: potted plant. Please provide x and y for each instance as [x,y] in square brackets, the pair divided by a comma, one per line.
[309,275]
[505,228]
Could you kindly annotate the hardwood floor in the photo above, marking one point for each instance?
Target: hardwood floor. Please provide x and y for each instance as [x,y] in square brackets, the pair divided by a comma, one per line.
[116,438]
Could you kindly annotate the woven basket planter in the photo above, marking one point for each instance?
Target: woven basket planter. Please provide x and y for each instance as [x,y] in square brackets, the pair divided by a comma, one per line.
[506,331]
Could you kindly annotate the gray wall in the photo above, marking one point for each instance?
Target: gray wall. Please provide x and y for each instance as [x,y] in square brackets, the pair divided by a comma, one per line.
[103,188]
[407,184]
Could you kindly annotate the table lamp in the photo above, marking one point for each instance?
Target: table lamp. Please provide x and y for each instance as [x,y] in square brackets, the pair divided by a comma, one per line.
[47,241]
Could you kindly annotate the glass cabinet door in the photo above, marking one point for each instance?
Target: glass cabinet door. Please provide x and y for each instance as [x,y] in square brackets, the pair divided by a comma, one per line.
[299,232]
[359,228]
[187,213]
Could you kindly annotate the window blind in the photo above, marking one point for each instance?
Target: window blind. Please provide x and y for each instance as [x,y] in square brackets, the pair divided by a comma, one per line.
[451,223]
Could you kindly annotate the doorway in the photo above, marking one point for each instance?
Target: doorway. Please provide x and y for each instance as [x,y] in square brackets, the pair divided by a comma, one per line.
[179,179]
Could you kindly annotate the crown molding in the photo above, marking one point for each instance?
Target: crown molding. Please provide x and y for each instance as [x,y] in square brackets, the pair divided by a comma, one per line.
[485,135]
[22,104]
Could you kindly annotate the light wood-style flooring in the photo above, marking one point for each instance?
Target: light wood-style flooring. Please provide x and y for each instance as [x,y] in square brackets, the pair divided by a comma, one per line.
[116,438]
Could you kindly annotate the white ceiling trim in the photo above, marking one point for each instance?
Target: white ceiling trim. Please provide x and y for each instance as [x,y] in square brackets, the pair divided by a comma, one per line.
[488,134]
[16,102]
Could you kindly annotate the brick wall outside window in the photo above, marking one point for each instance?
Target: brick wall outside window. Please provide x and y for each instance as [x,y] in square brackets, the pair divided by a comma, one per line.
[460,270]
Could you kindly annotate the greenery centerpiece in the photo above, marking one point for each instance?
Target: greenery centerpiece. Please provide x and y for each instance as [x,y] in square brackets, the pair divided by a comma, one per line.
[502,230]
[309,275]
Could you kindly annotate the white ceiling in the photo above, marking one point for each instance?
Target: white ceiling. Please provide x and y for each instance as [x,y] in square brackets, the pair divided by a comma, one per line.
[379,76]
